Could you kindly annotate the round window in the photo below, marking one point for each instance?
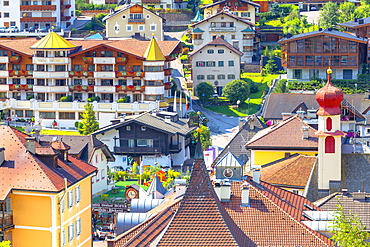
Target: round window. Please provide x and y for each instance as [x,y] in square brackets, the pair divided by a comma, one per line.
[123,17]
[147,16]
[228,173]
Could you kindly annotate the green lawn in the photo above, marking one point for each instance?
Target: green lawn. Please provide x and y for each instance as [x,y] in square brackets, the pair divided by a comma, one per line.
[128,183]
[54,132]
[255,99]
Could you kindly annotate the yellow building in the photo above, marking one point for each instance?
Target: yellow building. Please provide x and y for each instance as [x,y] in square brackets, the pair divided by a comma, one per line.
[133,21]
[291,136]
[45,194]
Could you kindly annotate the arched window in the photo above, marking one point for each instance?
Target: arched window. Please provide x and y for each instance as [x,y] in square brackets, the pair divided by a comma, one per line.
[329,124]
[329,144]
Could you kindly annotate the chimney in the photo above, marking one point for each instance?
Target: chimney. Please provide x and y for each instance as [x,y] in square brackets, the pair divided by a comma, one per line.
[225,190]
[154,114]
[2,156]
[31,144]
[115,121]
[245,195]
[311,114]
[167,119]
[300,114]
[286,115]
[251,124]
[305,132]
[180,187]
[359,195]
[122,117]
[218,188]
[256,175]
[241,123]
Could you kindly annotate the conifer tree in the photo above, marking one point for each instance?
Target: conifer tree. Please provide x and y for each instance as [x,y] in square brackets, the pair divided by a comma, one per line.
[88,123]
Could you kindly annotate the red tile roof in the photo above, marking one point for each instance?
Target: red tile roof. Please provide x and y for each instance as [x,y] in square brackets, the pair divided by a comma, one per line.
[287,134]
[23,170]
[274,216]
[217,42]
[201,220]
[292,171]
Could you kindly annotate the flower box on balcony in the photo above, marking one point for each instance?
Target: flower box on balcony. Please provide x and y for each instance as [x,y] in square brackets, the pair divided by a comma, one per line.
[88,59]
[121,59]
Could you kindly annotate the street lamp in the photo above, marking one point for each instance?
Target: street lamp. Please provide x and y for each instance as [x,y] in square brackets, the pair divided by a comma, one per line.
[237,103]
[356,87]
[248,104]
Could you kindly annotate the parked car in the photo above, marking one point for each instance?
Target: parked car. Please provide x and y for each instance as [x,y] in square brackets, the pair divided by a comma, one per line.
[31,29]
[13,30]
[2,29]
[56,29]
[42,30]
[103,233]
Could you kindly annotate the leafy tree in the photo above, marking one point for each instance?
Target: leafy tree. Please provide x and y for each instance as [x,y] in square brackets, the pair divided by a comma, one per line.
[5,244]
[347,11]
[204,91]
[236,90]
[270,65]
[348,230]
[329,15]
[281,87]
[362,11]
[135,168]
[88,123]
[252,85]
[205,136]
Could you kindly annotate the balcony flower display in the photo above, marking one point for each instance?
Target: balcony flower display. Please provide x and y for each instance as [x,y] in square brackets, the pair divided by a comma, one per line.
[85,73]
[30,72]
[30,86]
[71,72]
[84,87]
[130,87]
[138,73]
[16,72]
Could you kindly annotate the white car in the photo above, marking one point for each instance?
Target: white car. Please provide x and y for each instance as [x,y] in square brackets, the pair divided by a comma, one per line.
[2,29]
[12,30]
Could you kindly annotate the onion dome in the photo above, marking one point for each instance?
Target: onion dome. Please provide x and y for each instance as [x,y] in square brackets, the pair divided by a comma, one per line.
[329,99]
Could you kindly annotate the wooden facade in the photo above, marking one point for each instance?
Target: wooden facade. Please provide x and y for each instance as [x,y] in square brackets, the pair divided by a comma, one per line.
[323,51]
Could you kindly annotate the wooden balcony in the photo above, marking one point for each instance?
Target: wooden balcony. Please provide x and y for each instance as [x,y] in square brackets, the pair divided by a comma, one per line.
[38,19]
[88,60]
[129,74]
[38,7]
[82,88]
[15,59]
[16,73]
[167,72]
[13,87]
[130,88]
[138,150]
[6,221]
[81,74]
[167,86]
[121,60]
[175,148]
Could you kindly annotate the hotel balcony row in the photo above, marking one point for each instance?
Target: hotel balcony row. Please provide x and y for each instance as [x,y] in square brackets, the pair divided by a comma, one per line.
[39,19]
[76,74]
[38,7]
[77,106]
[105,60]
[10,59]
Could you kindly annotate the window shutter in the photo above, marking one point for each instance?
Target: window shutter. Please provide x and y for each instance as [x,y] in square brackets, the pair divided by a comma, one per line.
[78,227]
[63,237]
[78,194]
[62,205]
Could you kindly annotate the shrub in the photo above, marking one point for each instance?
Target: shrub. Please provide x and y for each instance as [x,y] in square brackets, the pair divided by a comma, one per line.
[92,99]
[31,96]
[125,99]
[66,98]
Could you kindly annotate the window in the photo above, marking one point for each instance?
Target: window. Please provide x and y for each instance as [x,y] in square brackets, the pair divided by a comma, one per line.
[6,15]
[232,36]
[200,77]
[71,229]
[19,113]
[136,16]
[3,67]
[220,63]
[29,66]
[78,227]
[47,115]
[77,67]
[40,82]
[29,113]
[210,63]
[129,28]
[128,128]
[231,63]
[145,143]
[40,67]
[106,82]
[210,51]
[6,3]
[102,172]
[78,194]
[121,67]
[60,54]
[2,81]
[221,77]
[108,67]
[140,28]
[60,82]
[246,14]
[136,68]
[122,82]
[297,74]
[329,144]
[106,53]
[230,76]
[40,54]
[3,52]
[63,237]
[153,27]
[131,143]
[143,128]
[66,115]
[62,205]
[91,82]
[70,198]
[16,67]
[210,77]
[329,124]
[77,96]
[60,68]
[221,51]
[136,82]
[77,82]
[200,64]
[91,67]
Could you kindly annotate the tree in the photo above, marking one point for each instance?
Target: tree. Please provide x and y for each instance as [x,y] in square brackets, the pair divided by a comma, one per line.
[204,91]
[5,244]
[362,11]
[347,11]
[329,15]
[236,90]
[348,230]
[88,123]
[270,65]
[205,136]
[281,87]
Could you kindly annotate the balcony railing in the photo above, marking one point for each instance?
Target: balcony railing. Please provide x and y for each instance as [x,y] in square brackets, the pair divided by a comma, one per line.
[88,60]
[4,73]
[38,19]
[104,89]
[15,59]
[104,60]
[85,88]
[4,59]
[105,74]
[51,89]
[13,87]
[50,60]
[222,29]
[129,74]
[175,147]
[130,88]
[81,74]
[136,20]
[20,72]
[6,220]
[51,74]
[141,150]
[38,7]
[121,60]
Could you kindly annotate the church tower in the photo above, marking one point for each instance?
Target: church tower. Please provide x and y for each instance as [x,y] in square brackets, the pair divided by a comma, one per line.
[329,158]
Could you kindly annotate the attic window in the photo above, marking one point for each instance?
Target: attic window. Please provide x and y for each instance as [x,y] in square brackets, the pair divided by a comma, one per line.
[147,16]
[228,173]
[123,17]
[143,128]
[128,128]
